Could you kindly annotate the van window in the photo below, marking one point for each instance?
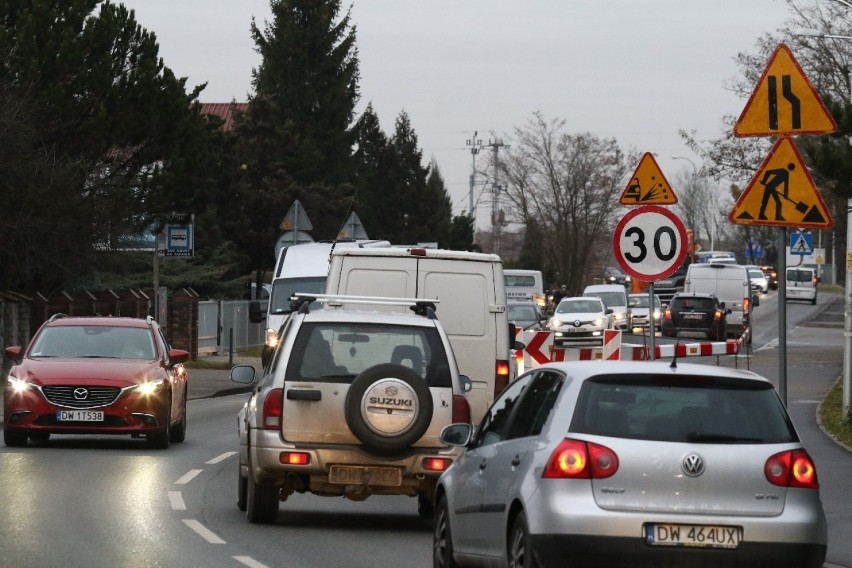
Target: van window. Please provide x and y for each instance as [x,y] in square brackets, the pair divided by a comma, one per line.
[519,280]
[284,288]
[800,275]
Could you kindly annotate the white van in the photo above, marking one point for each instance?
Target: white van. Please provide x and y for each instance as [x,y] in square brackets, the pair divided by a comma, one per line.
[299,268]
[525,285]
[614,296]
[802,284]
[471,304]
[731,284]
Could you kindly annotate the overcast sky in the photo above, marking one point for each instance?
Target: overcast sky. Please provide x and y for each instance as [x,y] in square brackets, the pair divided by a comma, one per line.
[634,70]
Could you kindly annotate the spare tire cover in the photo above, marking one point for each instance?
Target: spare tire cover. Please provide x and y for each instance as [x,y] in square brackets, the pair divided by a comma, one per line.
[388,407]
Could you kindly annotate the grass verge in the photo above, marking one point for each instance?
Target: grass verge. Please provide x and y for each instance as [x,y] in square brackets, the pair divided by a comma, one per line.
[831,415]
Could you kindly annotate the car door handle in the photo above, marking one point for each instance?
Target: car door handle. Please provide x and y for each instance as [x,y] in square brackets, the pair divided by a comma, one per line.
[516,461]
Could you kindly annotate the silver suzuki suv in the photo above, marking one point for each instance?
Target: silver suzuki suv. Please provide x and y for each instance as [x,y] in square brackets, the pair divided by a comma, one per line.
[352,404]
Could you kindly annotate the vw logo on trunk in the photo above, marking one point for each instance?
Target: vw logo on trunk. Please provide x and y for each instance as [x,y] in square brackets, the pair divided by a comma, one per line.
[81,394]
[693,465]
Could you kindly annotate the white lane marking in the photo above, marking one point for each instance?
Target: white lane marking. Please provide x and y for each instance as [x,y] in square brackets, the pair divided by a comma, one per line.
[220,458]
[249,561]
[203,531]
[188,476]
[176,499]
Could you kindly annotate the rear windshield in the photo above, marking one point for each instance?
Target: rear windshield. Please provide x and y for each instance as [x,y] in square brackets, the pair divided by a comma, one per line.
[799,276]
[679,408]
[693,304]
[339,352]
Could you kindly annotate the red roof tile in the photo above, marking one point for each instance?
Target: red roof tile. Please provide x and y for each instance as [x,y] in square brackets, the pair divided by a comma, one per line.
[224,111]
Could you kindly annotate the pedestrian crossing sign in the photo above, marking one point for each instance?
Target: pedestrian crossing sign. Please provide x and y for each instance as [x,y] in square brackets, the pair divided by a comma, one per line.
[782,193]
[648,185]
[801,244]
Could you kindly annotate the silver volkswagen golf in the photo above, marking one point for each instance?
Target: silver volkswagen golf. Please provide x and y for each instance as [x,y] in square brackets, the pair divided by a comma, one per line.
[631,464]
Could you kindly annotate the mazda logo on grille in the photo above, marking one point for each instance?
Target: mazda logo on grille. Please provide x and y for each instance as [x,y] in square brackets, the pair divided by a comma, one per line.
[693,465]
[391,391]
[81,394]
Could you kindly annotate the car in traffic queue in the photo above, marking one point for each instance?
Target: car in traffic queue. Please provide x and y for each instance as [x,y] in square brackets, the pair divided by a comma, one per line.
[771,275]
[614,296]
[640,312]
[96,375]
[614,275]
[758,279]
[695,313]
[525,314]
[620,464]
[352,404]
[580,320]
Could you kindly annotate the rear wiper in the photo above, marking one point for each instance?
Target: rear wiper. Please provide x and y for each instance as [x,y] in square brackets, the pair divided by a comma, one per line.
[709,438]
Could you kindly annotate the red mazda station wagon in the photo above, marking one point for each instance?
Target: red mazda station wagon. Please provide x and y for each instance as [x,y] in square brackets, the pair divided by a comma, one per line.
[96,375]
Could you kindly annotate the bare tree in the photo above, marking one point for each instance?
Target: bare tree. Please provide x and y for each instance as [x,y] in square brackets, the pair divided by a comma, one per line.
[568,185]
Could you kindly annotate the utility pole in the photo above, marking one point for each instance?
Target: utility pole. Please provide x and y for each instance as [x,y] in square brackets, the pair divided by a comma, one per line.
[495,146]
[475,145]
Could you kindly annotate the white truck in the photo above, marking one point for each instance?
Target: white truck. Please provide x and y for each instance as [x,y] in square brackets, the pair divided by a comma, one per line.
[298,268]
[470,288]
[525,285]
[731,284]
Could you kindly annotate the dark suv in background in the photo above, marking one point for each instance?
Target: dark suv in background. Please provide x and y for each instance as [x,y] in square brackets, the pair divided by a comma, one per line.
[697,313]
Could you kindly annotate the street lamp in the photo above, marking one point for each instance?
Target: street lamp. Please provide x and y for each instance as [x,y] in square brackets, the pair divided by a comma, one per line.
[847,312]
[694,169]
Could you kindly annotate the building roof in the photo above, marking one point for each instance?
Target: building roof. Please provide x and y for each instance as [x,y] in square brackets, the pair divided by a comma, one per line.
[224,111]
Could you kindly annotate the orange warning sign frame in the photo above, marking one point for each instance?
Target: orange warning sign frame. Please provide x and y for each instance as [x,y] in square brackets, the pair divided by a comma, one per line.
[648,185]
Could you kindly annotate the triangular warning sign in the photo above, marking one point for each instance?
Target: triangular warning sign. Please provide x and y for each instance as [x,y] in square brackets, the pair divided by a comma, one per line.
[782,193]
[784,102]
[353,228]
[296,219]
[648,185]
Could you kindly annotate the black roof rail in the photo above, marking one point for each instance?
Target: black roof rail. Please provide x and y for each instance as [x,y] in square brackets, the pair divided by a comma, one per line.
[57,316]
[424,309]
[302,304]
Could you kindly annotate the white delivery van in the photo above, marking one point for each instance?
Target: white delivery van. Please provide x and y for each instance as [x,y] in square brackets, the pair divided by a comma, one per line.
[614,296]
[471,304]
[299,268]
[802,284]
[525,285]
[731,284]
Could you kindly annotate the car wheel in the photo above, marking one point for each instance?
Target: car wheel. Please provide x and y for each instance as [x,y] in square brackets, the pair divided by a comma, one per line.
[442,539]
[519,546]
[14,439]
[261,502]
[388,407]
[242,488]
[425,506]
[160,439]
[178,433]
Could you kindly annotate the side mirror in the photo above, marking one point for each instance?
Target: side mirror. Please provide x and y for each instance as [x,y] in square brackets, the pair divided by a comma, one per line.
[609,311]
[467,384]
[13,353]
[256,314]
[755,300]
[178,356]
[243,374]
[457,434]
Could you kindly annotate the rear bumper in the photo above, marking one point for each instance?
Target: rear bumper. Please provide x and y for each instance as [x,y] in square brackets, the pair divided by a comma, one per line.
[617,552]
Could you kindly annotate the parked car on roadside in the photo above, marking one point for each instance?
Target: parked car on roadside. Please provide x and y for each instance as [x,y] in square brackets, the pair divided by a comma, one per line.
[644,465]
[695,313]
[802,284]
[96,375]
[351,405]
[580,319]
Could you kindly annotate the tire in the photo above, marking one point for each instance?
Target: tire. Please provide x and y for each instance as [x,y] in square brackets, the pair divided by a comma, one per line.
[178,433]
[160,439]
[261,502]
[519,548]
[14,439]
[242,488]
[442,538]
[357,421]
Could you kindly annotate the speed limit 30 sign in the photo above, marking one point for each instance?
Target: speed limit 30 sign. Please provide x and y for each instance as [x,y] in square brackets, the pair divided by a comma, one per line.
[650,243]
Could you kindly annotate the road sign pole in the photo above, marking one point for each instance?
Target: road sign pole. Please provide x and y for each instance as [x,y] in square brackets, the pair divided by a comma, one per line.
[847,317]
[782,314]
[652,342]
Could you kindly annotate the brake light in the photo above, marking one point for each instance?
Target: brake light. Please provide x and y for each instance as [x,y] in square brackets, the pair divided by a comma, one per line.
[667,315]
[272,407]
[294,458]
[576,459]
[461,409]
[417,252]
[501,376]
[793,468]
[436,464]
[717,316]
[746,305]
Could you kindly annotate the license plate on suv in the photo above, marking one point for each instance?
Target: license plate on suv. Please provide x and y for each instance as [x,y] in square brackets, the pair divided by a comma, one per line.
[79,416]
[365,475]
[702,536]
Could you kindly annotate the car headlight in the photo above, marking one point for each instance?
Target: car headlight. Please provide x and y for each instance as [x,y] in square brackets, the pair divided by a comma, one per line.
[149,387]
[598,322]
[555,323]
[657,314]
[271,338]
[18,385]
[620,316]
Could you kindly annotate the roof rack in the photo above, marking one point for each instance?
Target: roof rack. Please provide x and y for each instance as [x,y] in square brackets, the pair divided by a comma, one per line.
[420,306]
[56,317]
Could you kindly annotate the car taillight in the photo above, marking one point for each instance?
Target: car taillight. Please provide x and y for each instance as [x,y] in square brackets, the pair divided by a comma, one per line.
[667,315]
[461,409]
[436,464]
[576,459]
[272,407]
[501,376]
[294,458]
[746,305]
[718,316]
[793,468]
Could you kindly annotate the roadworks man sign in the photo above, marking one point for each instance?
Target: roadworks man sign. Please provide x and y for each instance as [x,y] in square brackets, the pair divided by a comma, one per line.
[782,194]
